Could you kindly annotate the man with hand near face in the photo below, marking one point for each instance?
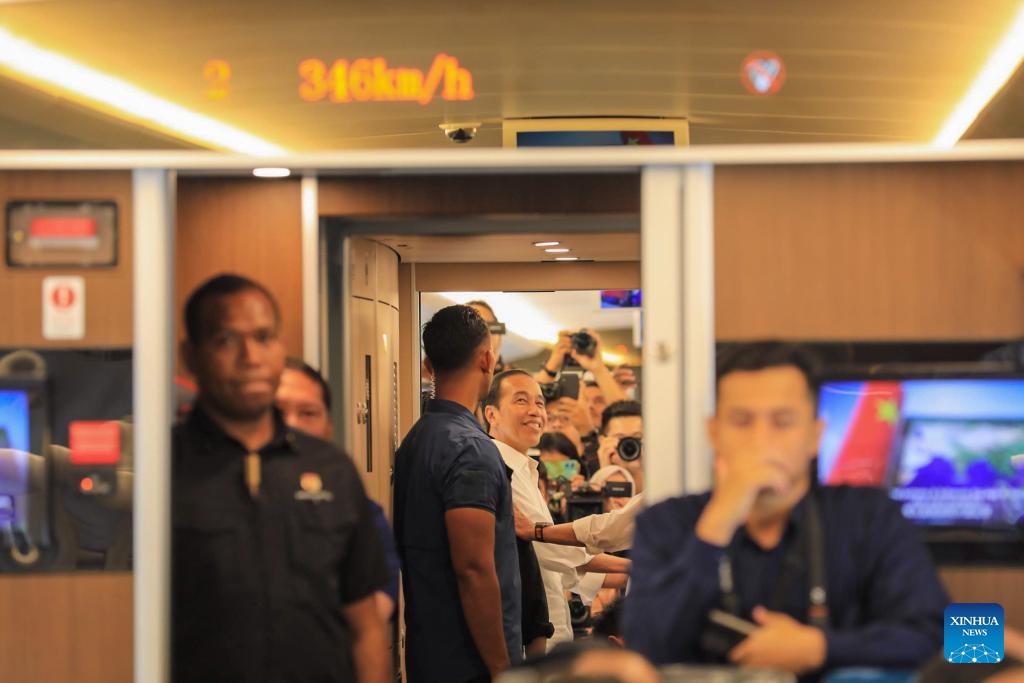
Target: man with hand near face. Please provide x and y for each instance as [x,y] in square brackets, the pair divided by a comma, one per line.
[275,556]
[830,577]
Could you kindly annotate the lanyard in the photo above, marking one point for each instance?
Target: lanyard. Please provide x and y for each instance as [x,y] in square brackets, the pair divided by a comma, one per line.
[810,546]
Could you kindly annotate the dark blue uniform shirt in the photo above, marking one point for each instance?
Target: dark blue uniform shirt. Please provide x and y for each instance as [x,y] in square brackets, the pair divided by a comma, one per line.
[885,600]
[259,584]
[447,462]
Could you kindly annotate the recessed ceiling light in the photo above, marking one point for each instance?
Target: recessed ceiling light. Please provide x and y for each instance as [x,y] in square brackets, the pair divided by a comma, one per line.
[557,250]
[271,172]
[567,258]
[546,244]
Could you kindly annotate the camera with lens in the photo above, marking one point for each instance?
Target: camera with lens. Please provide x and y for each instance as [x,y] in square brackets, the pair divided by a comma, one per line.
[630,448]
[579,615]
[584,343]
[586,501]
[566,386]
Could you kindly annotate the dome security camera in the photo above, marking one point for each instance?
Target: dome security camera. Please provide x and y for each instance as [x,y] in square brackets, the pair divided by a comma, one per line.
[460,132]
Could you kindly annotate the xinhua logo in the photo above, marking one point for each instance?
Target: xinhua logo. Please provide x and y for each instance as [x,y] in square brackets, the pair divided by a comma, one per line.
[974,633]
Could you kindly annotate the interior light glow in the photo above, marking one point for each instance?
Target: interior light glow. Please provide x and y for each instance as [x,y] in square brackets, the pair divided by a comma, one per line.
[557,250]
[1001,64]
[50,70]
[546,244]
[567,258]
[524,319]
[520,316]
[271,172]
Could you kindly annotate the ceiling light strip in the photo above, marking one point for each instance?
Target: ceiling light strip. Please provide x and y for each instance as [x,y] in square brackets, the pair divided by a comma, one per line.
[1001,65]
[123,99]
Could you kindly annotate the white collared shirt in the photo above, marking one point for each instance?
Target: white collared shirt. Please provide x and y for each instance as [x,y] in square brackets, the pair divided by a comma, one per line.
[558,563]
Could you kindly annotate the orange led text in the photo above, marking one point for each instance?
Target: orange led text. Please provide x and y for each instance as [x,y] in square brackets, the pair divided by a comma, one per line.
[372,80]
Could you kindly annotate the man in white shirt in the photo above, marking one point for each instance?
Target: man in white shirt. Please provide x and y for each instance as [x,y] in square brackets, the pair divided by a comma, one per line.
[514,410]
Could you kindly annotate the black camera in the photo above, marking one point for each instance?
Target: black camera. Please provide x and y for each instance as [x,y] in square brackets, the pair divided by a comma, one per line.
[579,615]
[584,502]
[567,385]
[630,448]
[584,343]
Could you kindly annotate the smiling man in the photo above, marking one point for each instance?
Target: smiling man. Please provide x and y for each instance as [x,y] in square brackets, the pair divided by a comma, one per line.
[829,576]
[514,410]
[275,554]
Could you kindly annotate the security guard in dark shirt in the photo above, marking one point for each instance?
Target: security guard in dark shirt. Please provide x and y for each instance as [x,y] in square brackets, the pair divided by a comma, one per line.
[275,557]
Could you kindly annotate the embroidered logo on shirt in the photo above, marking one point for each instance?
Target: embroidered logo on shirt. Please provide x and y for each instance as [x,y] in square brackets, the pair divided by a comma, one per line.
[312,488]
[973,633]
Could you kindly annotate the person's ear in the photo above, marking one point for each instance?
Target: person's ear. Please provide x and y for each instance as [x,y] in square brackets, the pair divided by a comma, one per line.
[430,367]
[491,415]
[487,359]
[817,430]
[712,426]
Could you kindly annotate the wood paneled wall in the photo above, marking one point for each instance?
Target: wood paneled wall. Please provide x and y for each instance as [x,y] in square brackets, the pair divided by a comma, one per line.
[471,277]
[248,226]
[901,251]
[66,628]
[479,194]
[988,584]
[108,291]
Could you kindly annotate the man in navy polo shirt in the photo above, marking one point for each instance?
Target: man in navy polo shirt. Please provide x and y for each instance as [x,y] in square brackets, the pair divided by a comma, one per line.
[826,577]
[453,518]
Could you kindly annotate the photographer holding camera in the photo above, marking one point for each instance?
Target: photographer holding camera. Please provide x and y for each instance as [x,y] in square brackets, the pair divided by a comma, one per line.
[621,439]
[621,429]
[583,349]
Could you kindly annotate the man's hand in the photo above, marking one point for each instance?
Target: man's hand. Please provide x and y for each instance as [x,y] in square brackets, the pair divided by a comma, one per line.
[736,490]
[782,642]
[561,349]
[524,525]
[607,446]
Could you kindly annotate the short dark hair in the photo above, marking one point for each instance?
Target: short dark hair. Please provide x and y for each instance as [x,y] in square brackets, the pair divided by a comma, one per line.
[607,622]
[625,408]
[762,355]
[558,442]
[305,368]
[216,287]
[493,396]
[452,336]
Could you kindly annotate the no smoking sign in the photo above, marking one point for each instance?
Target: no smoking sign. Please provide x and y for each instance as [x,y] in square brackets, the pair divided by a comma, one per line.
[64,307]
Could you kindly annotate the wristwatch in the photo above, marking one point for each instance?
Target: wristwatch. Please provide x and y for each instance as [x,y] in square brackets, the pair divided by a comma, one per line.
[549,373]
[538,530]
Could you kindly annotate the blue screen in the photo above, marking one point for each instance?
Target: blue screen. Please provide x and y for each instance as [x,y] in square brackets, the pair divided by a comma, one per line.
[14,419]
[947,449]
[621,298]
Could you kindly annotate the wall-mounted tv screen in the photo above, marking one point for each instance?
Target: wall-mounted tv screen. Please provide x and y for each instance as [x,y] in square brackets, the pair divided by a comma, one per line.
[15,423]
[943,447]
[621,298]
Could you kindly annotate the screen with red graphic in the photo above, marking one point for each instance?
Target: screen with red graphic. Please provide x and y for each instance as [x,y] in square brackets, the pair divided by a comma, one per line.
[945,448]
